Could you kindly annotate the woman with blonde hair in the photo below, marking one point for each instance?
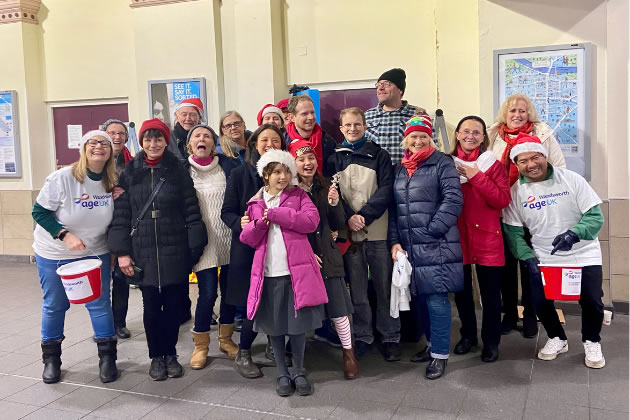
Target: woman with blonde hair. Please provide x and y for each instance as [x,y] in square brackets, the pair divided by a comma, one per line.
[518,115]
[233,138]
[73,211]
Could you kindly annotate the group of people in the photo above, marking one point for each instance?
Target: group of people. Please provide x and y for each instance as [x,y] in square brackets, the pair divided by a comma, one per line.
[292,228]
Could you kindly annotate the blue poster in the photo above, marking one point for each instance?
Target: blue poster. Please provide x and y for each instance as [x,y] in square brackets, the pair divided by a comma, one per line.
[185,90]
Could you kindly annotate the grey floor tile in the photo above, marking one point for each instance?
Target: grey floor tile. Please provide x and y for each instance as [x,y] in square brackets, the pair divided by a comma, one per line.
[12,362]
[439,395]
[562,383]
[32,370]
[496,397]
[260,397]
[84,400]
[598,414]
[361,409]
[311,406]
[378,390]
[49,413]
[412,413]
[608,388]
[128,406]
[12,410]
[234,413]
[180,410]
[125,381]
[42,394]
[535,410]
[10,385]
[209,389]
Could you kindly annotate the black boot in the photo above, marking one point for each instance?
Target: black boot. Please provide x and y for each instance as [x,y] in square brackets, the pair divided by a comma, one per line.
[245,366]
[490,353]
[107,359]
[422,356]
[465,345]
[51,356]
[436,368]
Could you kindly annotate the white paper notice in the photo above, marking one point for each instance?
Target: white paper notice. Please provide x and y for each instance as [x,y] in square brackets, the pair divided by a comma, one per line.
[77,289]
[75,132]
[571,281]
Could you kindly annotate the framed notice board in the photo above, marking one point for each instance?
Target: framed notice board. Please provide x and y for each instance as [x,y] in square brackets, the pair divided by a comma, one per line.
[10,164]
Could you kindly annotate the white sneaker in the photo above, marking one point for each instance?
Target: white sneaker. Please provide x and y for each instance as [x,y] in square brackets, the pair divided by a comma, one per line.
[553,348]
[593,356]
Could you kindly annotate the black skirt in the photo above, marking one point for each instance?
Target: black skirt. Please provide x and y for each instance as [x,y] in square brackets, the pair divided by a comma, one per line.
[276,312]
[339,302]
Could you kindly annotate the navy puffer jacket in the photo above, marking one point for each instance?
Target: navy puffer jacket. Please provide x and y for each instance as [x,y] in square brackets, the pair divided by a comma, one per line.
[424,223]
[165,247]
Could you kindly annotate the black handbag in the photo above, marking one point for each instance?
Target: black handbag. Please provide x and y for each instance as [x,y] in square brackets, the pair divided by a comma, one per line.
[138,276]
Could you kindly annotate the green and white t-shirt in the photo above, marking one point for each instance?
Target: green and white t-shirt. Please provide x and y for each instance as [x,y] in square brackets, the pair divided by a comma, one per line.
[551,207]
[84,209]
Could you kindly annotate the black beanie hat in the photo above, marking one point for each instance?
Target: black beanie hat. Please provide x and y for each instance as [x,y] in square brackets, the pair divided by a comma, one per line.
[396,76]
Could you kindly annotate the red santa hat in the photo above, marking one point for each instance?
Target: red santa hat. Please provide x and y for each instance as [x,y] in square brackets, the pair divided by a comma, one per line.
[300,147]
[525,144]
[267,109]
[194,102]
[283,104]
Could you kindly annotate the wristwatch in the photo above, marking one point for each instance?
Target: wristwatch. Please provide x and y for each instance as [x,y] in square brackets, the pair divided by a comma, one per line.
[62,234]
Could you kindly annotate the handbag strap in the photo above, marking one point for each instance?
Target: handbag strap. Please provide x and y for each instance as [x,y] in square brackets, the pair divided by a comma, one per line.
[154,193]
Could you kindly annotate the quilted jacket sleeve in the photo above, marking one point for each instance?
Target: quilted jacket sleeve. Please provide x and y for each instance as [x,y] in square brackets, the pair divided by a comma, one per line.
[452,199]
[303,221]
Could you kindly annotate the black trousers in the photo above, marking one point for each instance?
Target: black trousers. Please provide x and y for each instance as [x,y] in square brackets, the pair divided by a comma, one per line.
[590,301]
[120,299]
[509,288]
[161,317]
[490,279]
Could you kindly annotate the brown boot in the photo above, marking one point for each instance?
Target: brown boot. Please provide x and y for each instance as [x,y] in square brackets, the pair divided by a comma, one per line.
[226,345]
[200,353]
[350,364]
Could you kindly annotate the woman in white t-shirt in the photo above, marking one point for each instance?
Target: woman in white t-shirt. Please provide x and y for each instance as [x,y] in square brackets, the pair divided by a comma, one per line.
[73,211]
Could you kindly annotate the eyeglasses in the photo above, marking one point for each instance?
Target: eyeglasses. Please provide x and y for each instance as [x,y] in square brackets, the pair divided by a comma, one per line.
[235,124]
[93,143]
[467,133]
[116,133]
[383,83]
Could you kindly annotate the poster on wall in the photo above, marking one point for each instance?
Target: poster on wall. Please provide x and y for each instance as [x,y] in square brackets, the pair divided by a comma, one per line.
[165,95]
[9,136]
[557,79]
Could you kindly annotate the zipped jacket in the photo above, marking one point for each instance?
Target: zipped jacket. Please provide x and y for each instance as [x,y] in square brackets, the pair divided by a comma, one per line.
[171,236]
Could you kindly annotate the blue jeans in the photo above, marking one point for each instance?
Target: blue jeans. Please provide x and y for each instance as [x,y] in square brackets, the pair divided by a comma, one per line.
[208,280]
[377,256]
[435,316]
[55,302]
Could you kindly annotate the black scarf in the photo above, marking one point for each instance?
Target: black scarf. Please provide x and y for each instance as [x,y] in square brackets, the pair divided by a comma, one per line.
[180,133]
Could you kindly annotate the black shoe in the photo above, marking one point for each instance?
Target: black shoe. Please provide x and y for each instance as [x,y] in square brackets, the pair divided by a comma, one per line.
[436,368]
[51,356]
[302,385]
[464,345]
[213,320]
[123,332]
[245,366]
[530,329]
[285,386]
[391,352]
[157,372]
[107,359]
[361,348]
[173,368]
[238,325]
[422,356]
[490,353]
[507,325]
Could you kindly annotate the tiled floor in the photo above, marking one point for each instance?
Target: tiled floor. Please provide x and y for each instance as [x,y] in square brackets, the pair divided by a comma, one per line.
[517,386]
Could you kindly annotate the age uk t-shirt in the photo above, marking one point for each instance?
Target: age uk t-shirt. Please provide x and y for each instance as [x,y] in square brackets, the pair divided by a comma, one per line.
[85,209]
[551,207]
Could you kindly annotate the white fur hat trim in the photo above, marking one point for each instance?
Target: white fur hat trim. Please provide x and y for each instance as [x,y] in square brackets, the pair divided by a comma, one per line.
[528,147]
[279,156]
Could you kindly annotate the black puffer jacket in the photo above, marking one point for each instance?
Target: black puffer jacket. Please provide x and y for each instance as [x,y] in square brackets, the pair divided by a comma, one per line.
[168,246]
[243,183]
[331,218]
[424,223]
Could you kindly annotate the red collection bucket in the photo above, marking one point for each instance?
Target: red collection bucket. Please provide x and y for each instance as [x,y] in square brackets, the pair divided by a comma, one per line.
[81,280]
[561,282]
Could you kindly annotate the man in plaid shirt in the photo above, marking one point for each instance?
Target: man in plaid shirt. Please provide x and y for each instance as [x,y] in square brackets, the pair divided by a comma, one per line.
[386,121]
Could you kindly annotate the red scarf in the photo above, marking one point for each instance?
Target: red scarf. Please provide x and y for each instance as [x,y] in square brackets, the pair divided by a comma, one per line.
[127,155]
[509,135]
[412,162]
[468,157]
[315,141]
[202,161]
[152,163]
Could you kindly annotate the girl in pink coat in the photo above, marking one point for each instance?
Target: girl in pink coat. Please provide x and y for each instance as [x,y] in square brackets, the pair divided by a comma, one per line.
[287,292]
